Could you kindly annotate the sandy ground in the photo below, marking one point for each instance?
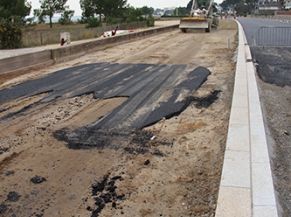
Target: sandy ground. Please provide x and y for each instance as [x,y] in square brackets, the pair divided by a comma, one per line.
[276,106]
[182,182]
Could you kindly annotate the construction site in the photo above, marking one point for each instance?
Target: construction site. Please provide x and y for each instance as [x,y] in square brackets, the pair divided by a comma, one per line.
[150,163]
[159,121]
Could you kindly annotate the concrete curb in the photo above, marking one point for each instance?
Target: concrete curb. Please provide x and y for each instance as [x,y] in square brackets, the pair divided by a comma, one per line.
[246,187]
[40,59]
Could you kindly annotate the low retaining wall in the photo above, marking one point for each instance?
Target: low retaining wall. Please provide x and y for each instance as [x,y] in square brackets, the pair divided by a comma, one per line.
[70,52]
[48,57]
[32,38]
[26,61]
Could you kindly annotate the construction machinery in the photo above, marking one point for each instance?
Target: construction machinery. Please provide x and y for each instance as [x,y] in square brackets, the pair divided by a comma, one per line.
[200,18]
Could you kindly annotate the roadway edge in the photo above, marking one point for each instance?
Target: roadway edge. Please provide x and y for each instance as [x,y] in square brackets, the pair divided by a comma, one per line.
[246,187]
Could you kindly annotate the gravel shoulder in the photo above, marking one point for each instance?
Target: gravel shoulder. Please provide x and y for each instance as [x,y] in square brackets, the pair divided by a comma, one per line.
[41,176]
[276,106]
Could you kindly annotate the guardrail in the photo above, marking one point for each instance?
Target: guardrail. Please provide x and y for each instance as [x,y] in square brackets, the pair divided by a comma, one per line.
[273,37]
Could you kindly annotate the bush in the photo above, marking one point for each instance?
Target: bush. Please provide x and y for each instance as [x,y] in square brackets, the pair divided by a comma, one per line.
[150,21]
[92,22]
[10,34]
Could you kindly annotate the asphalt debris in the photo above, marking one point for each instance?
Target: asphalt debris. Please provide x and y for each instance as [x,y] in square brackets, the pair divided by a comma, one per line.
[205,102]
[13,196]
[9,173]
[104,192]
[142,137]
[130,141]
[37,179]
[147,162]
[3,150]
[3,208]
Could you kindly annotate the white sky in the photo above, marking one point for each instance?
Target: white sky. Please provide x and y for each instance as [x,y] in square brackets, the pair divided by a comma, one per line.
[74,4]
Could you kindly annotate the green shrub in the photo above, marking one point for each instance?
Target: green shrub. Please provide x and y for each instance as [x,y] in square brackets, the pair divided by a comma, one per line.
[10,34]
[150,21]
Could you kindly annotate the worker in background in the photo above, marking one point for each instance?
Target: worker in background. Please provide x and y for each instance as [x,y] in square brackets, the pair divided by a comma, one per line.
[113,33]
[63,41]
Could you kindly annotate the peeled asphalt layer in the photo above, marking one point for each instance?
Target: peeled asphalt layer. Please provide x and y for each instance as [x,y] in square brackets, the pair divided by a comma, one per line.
[154,91]
[273,62]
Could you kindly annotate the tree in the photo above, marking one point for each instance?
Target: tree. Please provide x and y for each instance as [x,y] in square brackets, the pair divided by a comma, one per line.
[109,8]
[91,8]
[181,11]
[147,11]
[113,8]
[226,4]
[12,17]
[132,14]
[14,8]
[38,14]
[242,9]
[50,7]
[66,17]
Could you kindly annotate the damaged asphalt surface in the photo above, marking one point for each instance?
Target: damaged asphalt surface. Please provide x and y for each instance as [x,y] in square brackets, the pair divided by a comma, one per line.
[154,92]
[170,168]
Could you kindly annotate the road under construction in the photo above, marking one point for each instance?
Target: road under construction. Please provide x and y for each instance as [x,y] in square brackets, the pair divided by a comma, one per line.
[135,129]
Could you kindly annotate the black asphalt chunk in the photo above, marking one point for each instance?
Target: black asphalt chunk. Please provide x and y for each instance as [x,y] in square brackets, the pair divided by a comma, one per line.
[3,208]
[104,192]
[147,162]
[9,173]
[154,92]
[13,196]
[37,179]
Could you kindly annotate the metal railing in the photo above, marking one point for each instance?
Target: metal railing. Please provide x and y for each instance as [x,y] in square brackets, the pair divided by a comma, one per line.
[273,37]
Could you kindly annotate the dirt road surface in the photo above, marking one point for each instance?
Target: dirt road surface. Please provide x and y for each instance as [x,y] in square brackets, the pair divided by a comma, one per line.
[41,176]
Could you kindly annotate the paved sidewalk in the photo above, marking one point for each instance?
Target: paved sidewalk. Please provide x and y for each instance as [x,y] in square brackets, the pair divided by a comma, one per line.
[246,188]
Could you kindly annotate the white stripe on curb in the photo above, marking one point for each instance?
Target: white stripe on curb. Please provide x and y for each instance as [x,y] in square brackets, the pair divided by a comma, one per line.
[246,187]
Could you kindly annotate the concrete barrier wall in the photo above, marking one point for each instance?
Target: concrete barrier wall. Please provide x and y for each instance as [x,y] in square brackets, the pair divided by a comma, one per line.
[70,52]
[31,38]
[26,61]
[49,57]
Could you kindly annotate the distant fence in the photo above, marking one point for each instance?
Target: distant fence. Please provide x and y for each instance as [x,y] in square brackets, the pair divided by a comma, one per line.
[273,37]
[31,38]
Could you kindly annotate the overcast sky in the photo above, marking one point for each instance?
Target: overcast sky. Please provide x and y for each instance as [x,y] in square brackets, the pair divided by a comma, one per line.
[74,4]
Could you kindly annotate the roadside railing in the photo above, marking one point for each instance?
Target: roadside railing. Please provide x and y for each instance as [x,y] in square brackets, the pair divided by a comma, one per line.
[273,37]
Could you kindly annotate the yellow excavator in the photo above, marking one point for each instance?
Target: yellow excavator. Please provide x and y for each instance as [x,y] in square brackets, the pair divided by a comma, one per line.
[200,18]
